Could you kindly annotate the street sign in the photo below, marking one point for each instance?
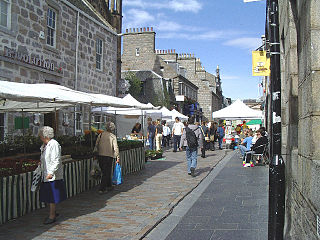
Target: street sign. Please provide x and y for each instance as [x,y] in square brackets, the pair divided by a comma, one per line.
[180,98]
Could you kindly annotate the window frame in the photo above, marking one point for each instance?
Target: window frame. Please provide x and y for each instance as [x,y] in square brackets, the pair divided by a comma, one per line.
[8,14]
[137,52]
[99,54]
[52,28]
[4,126]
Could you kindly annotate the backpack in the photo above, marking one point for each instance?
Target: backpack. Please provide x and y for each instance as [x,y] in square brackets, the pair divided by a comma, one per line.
[192,140]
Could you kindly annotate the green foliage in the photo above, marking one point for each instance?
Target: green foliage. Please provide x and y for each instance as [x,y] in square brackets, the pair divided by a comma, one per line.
[135,84]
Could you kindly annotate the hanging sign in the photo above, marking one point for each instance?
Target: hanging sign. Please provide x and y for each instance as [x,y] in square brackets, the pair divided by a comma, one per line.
[260,64]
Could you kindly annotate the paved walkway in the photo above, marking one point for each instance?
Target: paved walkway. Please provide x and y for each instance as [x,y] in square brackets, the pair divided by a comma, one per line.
[129,212]
[230,204]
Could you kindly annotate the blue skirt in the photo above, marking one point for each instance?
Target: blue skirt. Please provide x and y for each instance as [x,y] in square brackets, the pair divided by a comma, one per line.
[53,192]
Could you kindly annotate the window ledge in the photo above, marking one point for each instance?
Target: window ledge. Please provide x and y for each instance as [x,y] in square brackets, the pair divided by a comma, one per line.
[51,49]
[7,31]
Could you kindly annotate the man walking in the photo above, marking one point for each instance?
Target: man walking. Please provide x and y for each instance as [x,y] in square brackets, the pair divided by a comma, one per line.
[177,130]
[191,139]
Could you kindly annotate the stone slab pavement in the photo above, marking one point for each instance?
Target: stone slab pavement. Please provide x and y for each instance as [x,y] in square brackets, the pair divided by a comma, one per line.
[230,204]
[128,212]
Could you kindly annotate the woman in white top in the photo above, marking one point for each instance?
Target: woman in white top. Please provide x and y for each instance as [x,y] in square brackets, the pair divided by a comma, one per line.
[52,188]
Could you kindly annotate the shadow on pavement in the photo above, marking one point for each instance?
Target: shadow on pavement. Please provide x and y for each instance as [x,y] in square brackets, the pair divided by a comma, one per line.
[87,203]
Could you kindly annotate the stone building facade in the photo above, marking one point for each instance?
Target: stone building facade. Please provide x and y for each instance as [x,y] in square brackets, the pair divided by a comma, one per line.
[65,42]
[139,53]
[184,71]
[300,79]
[210,92]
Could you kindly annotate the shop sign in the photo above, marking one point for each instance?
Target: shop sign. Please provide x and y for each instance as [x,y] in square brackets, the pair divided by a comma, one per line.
[39,62]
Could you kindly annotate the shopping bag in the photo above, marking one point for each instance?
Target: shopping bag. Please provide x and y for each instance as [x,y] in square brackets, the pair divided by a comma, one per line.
[147,143]
[36,179]
[117,178]
[95,173]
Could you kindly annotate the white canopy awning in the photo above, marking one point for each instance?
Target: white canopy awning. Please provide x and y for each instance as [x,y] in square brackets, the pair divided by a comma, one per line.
[45,97]
[175,114]
[237,110]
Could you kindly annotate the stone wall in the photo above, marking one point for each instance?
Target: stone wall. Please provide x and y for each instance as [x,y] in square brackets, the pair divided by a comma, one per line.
[28,20]
[300,79]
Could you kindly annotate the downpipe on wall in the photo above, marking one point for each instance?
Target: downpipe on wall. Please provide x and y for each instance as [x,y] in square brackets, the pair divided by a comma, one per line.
[277,166]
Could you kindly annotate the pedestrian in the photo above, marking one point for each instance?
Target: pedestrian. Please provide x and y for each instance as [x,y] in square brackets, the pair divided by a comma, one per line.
[52,189]
[213,135]
[220,134]
[205,138]
[177,130]
[151,132]
[159,133]
[166,134]
[107,150]
[191,139]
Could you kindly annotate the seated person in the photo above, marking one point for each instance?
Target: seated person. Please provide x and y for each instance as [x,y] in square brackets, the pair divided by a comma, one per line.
[261,142]
[247,141]
[137,129]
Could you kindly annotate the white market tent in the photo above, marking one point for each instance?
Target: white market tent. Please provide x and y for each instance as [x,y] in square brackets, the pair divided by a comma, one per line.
[45,97]
[175,114]
[127,117]
[237,110]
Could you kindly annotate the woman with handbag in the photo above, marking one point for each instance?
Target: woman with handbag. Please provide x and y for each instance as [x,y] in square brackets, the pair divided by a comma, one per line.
[52,189]
[213,135]
[106,149]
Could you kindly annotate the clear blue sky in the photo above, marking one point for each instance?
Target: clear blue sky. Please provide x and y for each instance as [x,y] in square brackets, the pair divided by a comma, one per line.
[219,32]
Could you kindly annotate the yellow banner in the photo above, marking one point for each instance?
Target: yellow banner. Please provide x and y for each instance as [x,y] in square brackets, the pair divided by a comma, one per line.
[260,64]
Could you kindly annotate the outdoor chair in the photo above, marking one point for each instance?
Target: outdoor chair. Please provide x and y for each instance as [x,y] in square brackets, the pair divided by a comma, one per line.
[261,158]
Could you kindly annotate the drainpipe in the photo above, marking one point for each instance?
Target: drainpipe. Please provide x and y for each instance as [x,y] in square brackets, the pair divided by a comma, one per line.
[76,71]
[277,166]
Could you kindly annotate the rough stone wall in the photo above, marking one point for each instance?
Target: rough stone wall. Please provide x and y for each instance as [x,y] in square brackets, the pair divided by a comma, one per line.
[300,79]
[145,41]
[28,19]
[195,74]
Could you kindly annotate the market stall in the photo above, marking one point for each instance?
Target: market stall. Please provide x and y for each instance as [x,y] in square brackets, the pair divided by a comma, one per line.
[16,199]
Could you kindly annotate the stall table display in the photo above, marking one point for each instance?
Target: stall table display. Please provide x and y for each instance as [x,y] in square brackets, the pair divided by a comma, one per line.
[16,198]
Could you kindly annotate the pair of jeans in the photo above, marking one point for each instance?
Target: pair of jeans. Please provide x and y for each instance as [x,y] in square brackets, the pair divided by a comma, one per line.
[191,158]
[243,149]
[220,142]
[166,141]
[105,163]
[176,142]
[151,143]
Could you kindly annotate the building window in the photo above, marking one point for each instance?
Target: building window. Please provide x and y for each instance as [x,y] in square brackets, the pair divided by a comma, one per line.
[99,54]
[78,116]
[2,127]
[180,88]
[51,27]
[137,52]
[5,13]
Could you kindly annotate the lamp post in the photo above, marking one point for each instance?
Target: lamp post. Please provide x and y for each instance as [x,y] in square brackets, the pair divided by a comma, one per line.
[277,167]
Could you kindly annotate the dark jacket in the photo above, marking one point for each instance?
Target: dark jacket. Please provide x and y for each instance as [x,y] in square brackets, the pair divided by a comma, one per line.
[260,145]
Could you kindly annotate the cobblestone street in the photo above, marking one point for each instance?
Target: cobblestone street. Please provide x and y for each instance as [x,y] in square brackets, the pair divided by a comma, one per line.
[128,212]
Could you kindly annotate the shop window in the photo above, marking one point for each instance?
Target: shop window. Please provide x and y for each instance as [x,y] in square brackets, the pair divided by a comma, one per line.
[99,54]
[51,27]
[5,13]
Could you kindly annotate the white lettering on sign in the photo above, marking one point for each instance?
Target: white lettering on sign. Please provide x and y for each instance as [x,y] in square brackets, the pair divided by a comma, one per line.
[11,53]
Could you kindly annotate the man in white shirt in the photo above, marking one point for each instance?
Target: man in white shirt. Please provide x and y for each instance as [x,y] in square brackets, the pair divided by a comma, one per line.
[166,134]
[177,130]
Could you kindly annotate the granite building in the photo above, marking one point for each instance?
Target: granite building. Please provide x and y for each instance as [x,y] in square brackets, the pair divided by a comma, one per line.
[73,43]
[183,71]
[300,108]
